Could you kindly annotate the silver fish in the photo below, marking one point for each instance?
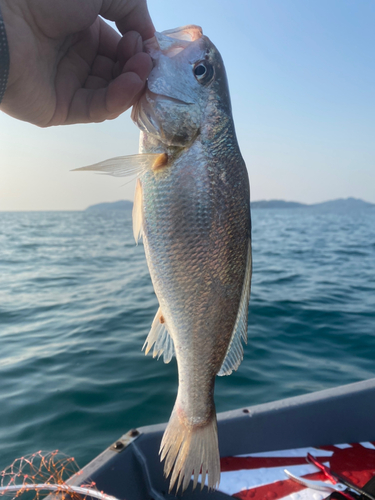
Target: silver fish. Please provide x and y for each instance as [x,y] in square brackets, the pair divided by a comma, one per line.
[192,206]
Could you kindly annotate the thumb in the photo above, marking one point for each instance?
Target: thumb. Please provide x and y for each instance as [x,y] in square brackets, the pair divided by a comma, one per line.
[129,15]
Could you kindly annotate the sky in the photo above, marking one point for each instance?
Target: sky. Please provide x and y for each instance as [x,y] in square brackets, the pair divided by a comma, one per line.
[302,81]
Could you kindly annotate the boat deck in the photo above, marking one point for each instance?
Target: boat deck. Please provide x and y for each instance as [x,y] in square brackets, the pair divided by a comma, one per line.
[130,468]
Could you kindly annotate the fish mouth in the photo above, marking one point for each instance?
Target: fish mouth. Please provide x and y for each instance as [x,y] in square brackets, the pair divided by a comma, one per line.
[172,42]
[153,95]
[143,118]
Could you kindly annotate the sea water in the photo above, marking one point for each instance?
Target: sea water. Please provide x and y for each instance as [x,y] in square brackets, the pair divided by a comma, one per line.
[76,304]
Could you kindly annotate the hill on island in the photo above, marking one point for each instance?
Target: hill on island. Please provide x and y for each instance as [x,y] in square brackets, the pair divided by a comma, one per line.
[115,205]
[277,204]
[341,204]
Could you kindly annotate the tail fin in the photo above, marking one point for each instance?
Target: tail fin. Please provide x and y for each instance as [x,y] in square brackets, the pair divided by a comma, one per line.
[190,449]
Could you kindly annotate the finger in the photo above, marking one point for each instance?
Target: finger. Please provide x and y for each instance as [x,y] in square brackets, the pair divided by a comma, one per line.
[130,16]
[108,40]
[95,82]
[104,71]
[102,67]
[91,105]
[97,105]
[129,45]
[138,20]
[141,64]
[117,103]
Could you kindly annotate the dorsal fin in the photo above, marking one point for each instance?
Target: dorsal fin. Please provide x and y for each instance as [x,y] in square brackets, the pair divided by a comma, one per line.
[159,338]
[234,353]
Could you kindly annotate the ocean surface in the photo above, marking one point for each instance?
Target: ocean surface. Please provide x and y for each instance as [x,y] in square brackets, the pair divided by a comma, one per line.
[76,304]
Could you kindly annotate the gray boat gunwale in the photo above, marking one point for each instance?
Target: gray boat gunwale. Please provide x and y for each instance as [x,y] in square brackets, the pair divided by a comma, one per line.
[130,468]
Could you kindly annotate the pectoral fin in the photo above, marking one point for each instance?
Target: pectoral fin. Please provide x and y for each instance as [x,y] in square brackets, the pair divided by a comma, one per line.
[122,166]
[234,353]
[160,339]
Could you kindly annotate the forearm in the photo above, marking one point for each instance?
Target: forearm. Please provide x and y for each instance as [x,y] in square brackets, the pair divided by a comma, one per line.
[4,59]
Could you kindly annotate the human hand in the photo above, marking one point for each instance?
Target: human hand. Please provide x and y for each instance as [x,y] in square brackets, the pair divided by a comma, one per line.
[67,65]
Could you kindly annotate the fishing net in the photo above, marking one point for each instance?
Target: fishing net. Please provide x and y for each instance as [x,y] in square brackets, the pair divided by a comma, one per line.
[45,473]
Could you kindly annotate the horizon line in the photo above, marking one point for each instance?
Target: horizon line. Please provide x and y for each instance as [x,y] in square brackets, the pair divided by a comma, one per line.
[131,201]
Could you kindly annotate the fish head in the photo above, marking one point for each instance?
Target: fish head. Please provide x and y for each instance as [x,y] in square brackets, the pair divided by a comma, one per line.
[188,74]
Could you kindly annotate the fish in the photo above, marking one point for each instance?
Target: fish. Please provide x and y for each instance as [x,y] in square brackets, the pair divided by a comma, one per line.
[192,208]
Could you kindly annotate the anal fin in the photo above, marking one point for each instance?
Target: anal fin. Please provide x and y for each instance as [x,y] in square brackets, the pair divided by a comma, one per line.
[159,338]
[234,353]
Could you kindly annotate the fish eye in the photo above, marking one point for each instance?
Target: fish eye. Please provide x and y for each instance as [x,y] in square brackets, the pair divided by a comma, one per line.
[203,72]
[200,70]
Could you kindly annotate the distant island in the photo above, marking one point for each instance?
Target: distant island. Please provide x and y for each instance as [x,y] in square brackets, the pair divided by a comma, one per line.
[335,205]
[341,204]
[115,205]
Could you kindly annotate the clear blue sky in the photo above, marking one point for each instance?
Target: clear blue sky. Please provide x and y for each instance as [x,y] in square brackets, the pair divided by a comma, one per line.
[302,80]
